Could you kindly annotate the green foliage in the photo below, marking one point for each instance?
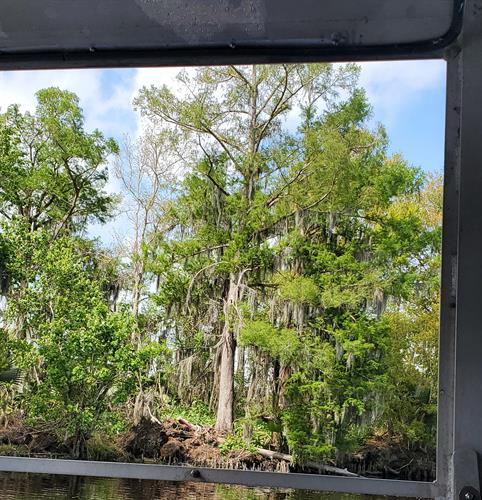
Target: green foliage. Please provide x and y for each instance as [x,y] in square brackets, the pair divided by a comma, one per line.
[234,442]
[102,447]
[85,350]
[310,258]
[5,361]
[297,289]
[53,172]
[197,413]
[281,344]
[261,433]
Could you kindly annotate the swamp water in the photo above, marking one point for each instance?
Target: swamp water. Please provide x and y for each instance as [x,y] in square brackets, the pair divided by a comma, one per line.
[16,486]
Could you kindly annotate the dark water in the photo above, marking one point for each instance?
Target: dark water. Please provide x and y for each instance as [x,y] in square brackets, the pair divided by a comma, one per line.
[36,486]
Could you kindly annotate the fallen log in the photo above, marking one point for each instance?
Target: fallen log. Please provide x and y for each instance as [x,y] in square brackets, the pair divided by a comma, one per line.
[282,456]
[191,427]
[187,424]
[310,464]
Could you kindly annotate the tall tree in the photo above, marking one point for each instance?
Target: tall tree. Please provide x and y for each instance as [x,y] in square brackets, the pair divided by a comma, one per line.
[147,174]
[234,114]
[53,172]
[147,170]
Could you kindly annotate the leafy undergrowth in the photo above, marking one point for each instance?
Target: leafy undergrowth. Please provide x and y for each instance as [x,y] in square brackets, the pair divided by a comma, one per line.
[197,412]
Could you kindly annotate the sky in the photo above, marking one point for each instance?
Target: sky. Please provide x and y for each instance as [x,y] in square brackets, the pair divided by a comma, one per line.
[408,98]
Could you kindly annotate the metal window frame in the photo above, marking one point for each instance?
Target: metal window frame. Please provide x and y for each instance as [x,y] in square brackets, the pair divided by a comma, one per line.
[459,428]
[330,46]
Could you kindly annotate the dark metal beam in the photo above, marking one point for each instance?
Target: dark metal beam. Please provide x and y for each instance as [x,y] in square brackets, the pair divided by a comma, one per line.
[129,33]
[467,407]
[445,409]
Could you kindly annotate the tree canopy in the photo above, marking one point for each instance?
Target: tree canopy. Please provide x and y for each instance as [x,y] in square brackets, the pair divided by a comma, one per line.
[283,272]
[53,172]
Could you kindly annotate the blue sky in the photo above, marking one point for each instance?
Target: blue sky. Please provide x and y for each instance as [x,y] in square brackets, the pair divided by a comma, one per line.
[407,97]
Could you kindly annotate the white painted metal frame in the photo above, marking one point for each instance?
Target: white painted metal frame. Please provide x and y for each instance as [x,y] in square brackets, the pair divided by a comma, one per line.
[459,440]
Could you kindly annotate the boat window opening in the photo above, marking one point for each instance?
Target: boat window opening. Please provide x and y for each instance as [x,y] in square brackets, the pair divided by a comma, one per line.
[232,267]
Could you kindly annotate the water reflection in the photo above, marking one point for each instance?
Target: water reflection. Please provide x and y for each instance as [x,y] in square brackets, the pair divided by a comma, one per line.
[37,486]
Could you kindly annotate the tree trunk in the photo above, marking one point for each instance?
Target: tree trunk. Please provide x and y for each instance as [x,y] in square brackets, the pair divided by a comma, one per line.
[137,287]
[224,417]
[240,368]
[321,467]
[276,388]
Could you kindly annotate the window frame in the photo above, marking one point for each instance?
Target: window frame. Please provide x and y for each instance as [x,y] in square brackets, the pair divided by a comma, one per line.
[460,348]
[341,39]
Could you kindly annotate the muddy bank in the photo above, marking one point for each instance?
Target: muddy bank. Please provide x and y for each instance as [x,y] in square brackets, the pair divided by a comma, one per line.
[179,442]
[176,441]
[384,456]
[170,442]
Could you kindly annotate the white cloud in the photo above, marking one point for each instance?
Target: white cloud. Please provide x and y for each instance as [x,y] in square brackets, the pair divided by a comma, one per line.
[392,86]
[20,87]
[154,76]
